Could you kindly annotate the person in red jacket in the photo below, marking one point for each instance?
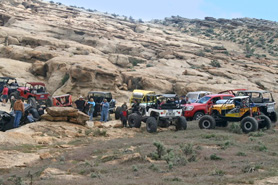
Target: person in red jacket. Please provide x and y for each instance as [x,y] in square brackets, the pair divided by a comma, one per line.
[5,95]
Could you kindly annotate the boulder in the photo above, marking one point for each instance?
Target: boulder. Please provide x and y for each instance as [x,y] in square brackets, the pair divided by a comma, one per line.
[82,118]
[38,68]
[62,111]
[51,118]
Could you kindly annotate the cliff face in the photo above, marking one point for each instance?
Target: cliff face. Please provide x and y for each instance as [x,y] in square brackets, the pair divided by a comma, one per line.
[73,51]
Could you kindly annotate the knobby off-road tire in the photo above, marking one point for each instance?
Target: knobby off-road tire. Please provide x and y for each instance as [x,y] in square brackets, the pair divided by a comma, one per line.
[32,102]
[14,94]
[207,122]
[118,112]
[151,125]
[265,123]
[198,115]
[273,117]
[249,124]
[49,102]
[134,120]
[181,123]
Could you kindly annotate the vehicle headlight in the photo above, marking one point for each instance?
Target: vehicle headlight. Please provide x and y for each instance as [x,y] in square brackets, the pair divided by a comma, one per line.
[189,108]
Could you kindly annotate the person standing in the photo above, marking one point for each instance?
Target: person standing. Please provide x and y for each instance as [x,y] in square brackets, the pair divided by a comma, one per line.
[104,110]
[135,106]
[5,95]
[19,111]
[80,104]
[12,104]
[124,106]
[91,111]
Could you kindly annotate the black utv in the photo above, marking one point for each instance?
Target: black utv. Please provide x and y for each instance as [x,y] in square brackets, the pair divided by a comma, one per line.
[11,83]
[98,97]
[7,119]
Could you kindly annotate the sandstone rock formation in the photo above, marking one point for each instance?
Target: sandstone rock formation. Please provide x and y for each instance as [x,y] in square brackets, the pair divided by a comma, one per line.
[65,114]
[75,51]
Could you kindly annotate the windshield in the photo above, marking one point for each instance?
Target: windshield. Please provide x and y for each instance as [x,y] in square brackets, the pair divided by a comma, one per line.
[104,95]
[192,96]
[203,100]
[137,95]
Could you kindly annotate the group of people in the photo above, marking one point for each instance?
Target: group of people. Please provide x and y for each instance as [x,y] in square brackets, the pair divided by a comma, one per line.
[88,107]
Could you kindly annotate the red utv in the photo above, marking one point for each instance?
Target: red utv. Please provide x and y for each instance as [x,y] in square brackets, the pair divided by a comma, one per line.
[34,92]
[62,100]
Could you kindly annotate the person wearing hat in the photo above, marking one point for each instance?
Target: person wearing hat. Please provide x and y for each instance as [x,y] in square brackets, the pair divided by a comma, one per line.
[80,103]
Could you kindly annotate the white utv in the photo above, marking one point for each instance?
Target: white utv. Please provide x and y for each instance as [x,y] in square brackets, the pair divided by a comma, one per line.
[164,112]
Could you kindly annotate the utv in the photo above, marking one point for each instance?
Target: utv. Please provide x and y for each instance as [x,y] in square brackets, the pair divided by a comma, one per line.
[11,83]
[62,100]
[237,109]
[263,100]
[7,119]
[98,97]
[35,93]
[164,112]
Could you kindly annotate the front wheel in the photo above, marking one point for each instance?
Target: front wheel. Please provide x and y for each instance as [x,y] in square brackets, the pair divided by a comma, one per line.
[134,120]
[198,115]
[118,112]
[181,123]
[207,122]
[249,124]
[49,102]
[151,124]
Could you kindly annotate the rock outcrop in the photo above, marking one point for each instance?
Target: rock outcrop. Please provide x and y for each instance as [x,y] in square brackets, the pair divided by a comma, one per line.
[69,114]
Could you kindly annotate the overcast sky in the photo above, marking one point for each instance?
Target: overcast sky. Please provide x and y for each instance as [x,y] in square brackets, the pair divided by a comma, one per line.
[159,9]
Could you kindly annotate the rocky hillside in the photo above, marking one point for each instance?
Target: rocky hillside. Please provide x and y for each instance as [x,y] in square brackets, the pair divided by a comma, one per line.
[76,50]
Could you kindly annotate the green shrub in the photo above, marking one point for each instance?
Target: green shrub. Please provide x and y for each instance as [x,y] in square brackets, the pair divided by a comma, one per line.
[187,149]
[215,63]
[235,128]
[241,154]
[218,172]
[65,79]
[99,132]
[215,157]
[149,65]
[200,53]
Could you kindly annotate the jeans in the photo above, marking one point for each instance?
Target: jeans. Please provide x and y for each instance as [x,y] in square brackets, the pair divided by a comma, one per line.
[18,115]
[104,115]
[91,114]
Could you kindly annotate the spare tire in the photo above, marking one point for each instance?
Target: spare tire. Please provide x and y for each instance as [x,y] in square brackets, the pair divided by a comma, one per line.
[118,112]
[134,120]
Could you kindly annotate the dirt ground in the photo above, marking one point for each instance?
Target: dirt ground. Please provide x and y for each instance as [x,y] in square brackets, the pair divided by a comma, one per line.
[71,154]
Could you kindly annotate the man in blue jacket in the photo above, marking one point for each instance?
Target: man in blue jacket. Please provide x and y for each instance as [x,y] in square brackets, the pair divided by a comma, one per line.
[104,110]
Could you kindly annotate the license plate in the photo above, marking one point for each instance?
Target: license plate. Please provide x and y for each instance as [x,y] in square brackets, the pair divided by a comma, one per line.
[42,96]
